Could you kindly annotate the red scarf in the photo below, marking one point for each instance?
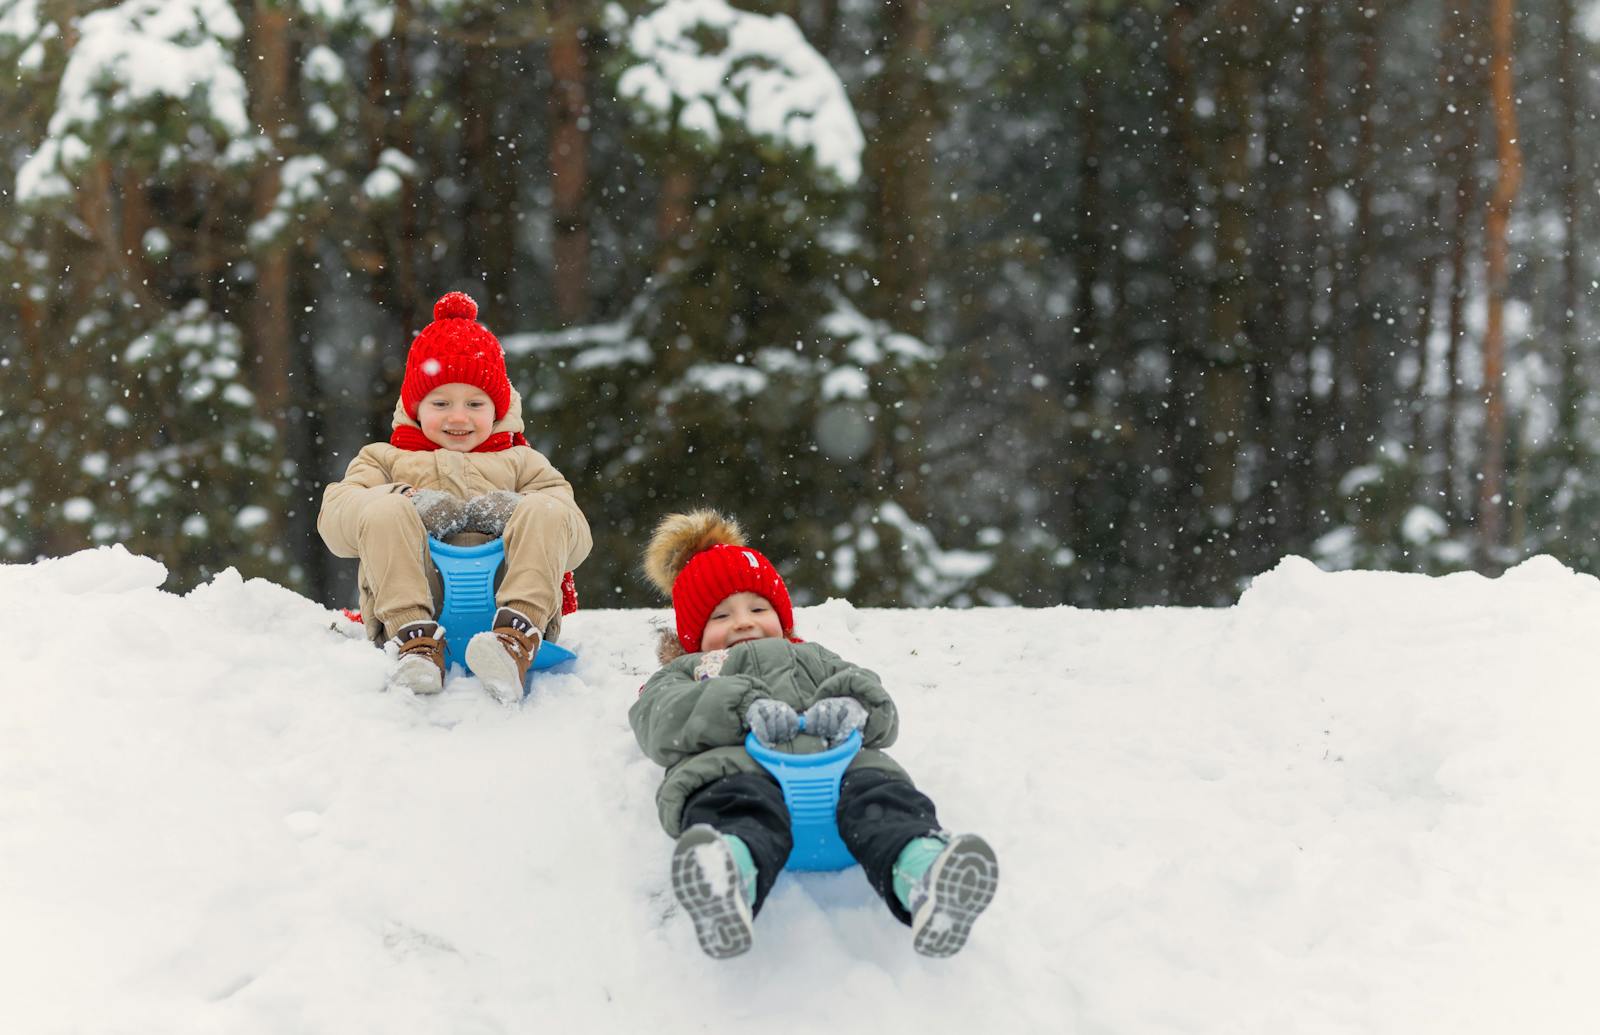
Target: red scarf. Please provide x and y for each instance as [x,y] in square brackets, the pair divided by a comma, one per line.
[407,437]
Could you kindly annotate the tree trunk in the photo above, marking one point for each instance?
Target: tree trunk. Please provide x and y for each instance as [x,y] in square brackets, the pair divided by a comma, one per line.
[1089,253]
[270,323]
[135,219]
[901,160]
[569,161]
[1182,150]
[674,214]
[394,286]
[1508,176]
[269,326]
[1464,162]
[1318,461]
[1271,377]
[489,247]
[1360,410]
[1428,281]
[1225,389]
[1570,397]
[1433,464]
[98,210]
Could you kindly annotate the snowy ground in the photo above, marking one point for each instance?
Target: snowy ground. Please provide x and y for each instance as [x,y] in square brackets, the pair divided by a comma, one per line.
[1351,803]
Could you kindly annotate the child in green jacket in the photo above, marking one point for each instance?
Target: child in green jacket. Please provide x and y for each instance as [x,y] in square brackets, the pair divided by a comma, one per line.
[735,666]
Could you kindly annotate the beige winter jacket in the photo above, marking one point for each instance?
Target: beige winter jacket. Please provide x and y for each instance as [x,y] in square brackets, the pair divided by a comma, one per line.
[380,468]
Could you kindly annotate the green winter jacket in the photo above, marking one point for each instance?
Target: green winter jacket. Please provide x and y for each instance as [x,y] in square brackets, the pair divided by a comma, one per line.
[695,727]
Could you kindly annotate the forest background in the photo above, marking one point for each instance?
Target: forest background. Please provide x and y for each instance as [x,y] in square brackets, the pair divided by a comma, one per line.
[1100,302]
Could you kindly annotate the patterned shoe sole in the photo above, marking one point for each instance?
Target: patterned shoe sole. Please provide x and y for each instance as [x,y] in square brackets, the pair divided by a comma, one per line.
[713,898]
[494,668]
[963,882]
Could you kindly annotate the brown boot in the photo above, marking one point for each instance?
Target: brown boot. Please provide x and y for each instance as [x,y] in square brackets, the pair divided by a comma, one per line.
[421,666]
[501,656]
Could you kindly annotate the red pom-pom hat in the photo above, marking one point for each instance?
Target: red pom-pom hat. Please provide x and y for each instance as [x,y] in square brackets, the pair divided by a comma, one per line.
[717,573]
[456,349]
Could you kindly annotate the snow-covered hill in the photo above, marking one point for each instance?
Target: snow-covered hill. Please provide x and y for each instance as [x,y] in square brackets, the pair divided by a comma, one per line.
[1353,802]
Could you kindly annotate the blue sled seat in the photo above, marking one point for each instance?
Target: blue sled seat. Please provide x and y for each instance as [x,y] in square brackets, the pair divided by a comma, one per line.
[811,791]
[468,574]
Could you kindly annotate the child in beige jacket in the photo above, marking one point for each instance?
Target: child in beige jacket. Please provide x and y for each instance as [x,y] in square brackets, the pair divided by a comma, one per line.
[457,462]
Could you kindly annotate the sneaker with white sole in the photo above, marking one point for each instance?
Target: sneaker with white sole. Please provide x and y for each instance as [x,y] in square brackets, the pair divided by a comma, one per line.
[501,656]
[708,883]
[421,665]
[959,885]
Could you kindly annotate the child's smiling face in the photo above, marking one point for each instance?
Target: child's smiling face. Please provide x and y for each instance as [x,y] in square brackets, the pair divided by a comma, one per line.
[741,617]
[456,416]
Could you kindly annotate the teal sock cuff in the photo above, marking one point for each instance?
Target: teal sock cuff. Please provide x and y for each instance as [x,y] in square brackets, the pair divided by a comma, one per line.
[746,863]
[912,863]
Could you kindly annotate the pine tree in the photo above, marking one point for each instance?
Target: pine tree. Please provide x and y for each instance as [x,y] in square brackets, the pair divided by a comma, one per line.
[142,429]
[745,377]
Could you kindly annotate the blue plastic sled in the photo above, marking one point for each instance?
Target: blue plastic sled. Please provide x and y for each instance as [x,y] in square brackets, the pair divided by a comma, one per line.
[811,791]
[468,573]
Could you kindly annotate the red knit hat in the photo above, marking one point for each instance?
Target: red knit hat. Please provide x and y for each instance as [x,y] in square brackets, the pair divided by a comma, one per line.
[701,559]
[717,573]
[456,349]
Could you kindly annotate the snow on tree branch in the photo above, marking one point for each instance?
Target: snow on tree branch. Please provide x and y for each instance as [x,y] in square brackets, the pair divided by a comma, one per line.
[703,63]
[128,56]
[22,30]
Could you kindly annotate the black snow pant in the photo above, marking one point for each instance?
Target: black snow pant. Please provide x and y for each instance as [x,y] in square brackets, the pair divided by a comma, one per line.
[879,814]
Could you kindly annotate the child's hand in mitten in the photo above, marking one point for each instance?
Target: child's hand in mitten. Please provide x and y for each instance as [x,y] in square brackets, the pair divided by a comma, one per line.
[442,514]
[773,722]
[490,512]
[835,718]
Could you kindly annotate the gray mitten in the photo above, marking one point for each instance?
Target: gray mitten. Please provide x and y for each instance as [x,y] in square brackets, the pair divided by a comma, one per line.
[835,718]
[773,722]
[442,514]
[490,512]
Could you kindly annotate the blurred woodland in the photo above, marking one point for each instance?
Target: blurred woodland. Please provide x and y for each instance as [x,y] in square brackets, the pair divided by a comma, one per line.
[950,302]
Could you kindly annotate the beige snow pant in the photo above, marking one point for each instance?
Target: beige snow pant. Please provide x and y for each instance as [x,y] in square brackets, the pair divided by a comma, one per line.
[399,583]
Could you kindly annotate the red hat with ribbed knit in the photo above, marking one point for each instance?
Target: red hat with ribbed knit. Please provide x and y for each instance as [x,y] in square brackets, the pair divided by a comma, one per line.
[456,349]
[717,573]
